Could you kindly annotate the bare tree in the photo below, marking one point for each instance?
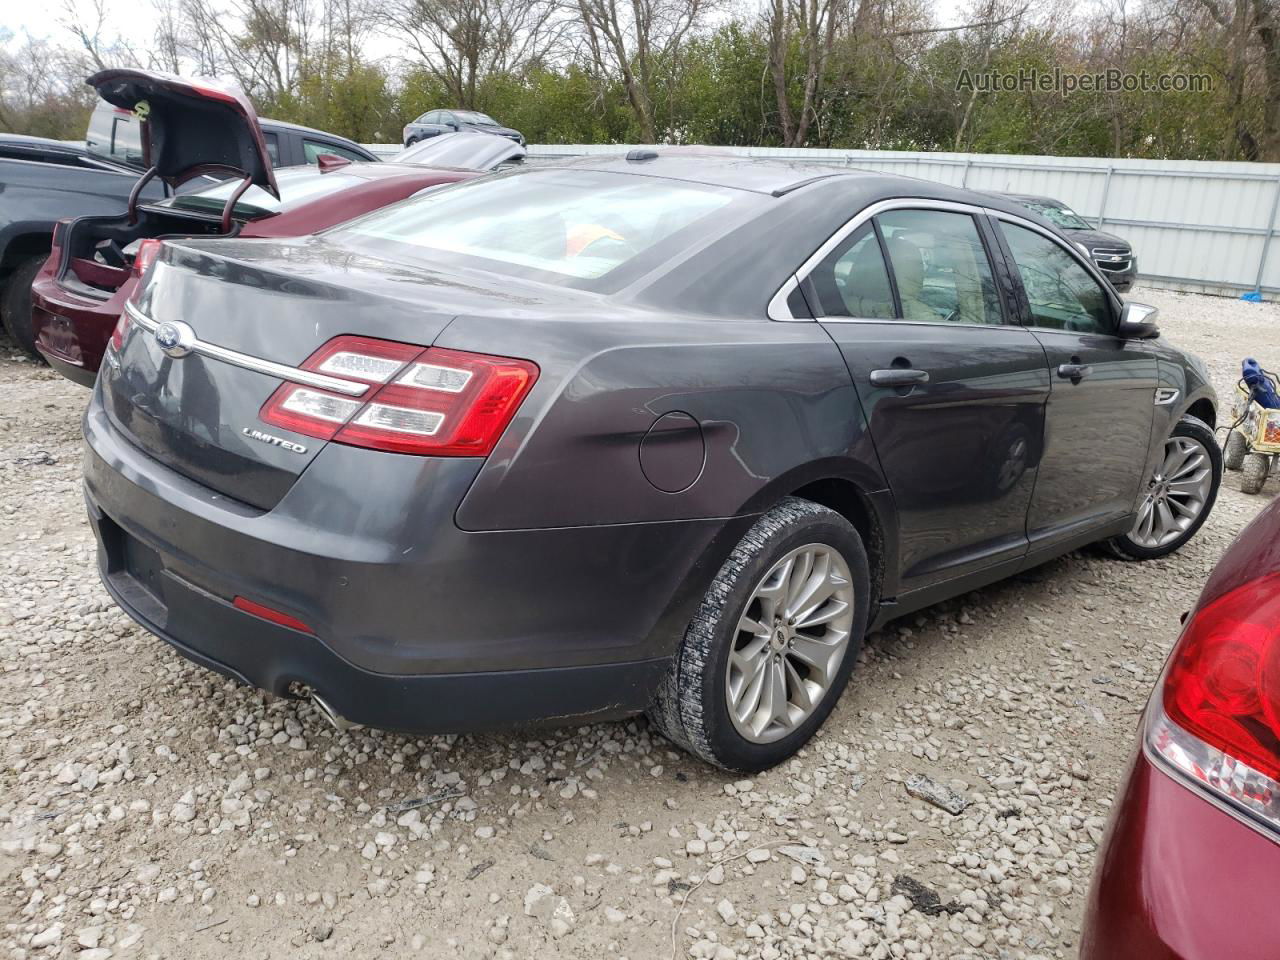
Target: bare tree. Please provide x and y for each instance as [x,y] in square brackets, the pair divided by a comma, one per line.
[1250,36]
[813,25]
[461,41]
[633,39]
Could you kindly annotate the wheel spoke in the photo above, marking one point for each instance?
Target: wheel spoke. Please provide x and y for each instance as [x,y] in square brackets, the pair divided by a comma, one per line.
[1190,486]
[800,695]
[815,590]
[748,699]
[816,655]
[821,613]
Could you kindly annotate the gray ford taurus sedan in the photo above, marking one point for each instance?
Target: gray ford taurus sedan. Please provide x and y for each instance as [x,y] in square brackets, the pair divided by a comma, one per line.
[665,433]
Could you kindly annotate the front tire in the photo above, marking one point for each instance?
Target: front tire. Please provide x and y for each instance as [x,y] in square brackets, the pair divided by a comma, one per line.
[1234,450]
[1254,472]
[1179,495]
[15,304]
[772,644]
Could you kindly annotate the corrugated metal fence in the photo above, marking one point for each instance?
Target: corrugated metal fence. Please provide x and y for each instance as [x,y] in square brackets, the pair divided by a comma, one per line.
[1194,225]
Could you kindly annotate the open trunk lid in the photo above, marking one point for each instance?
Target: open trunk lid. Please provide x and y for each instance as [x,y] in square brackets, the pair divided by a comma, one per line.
[274,302]
[190,126]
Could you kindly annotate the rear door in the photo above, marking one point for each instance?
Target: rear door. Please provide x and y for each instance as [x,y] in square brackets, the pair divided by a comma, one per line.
[1102,399]
[953,390]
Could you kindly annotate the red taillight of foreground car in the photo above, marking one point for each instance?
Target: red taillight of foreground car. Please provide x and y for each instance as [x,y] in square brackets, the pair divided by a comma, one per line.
[432,402]
[1220,722]
[148,250]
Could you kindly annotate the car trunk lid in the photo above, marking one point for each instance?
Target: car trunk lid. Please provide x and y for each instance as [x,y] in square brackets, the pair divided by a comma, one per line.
[189,126]
[271,302]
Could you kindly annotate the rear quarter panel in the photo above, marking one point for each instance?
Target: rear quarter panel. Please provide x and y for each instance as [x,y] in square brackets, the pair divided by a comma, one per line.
[773,403]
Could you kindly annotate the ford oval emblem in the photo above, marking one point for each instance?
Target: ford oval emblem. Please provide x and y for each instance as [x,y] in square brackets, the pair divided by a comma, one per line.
[175,338]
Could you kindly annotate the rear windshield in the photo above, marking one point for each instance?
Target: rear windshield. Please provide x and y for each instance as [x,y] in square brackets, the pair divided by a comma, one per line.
[556,225]
[297,185]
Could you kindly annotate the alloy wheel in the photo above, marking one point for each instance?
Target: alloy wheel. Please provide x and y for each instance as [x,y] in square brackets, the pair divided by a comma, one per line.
[1176,494]
[789,643]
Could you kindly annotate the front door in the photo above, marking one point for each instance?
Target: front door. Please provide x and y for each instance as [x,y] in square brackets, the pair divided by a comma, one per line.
[954,393]
[1102,398]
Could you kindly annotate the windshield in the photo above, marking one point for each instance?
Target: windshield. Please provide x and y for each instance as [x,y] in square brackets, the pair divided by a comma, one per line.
[470,116]
[555,225]
[297,185]
[1057,214]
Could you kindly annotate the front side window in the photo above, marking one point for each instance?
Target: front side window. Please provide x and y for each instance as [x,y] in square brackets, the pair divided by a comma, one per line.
[548,224]
[852,280]
[940,267]
[1061,293]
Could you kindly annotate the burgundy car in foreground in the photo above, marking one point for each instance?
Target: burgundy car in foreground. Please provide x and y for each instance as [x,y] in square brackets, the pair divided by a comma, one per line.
[194,128]
[1190,868]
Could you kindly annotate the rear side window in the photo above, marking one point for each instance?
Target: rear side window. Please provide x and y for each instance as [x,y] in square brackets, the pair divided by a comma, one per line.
[568,224]
[1061,293]
[940,266]
[852,281]
[313,148]
[273,148]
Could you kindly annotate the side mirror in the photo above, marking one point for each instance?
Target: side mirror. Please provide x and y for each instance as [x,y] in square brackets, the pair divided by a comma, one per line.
[1138,322]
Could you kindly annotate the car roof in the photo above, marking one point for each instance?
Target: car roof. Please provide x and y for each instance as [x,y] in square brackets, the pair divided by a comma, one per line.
[781,177]
[712,167]
[299,128]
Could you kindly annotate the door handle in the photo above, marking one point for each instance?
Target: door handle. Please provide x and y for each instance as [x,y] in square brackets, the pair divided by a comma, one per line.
[1074,371]
[898,377]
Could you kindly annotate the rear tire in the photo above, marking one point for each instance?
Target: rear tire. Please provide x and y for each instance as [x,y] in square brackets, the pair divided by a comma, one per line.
[1254,472]
[15,304]
[765,578]
[1179,496]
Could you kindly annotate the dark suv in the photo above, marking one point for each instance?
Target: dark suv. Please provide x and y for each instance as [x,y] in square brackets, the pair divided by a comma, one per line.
[435,122]
[1113,255]
[664,434]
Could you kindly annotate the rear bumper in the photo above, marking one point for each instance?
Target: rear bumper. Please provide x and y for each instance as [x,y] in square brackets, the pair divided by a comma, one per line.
[1179,879]
[418,625]
[71,332]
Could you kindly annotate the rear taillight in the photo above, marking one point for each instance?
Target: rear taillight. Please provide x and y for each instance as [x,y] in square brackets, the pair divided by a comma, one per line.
[148,250]
[433,402]
[1217,719]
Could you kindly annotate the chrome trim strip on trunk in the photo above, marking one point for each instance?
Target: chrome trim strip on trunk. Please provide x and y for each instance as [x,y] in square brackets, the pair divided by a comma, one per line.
[270,368]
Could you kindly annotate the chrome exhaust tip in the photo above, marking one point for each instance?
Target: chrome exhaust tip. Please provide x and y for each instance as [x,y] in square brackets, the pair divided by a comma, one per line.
[303,691]
[337,720]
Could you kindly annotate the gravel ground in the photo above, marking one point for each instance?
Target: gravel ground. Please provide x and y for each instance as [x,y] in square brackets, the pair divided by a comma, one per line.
[149,808]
